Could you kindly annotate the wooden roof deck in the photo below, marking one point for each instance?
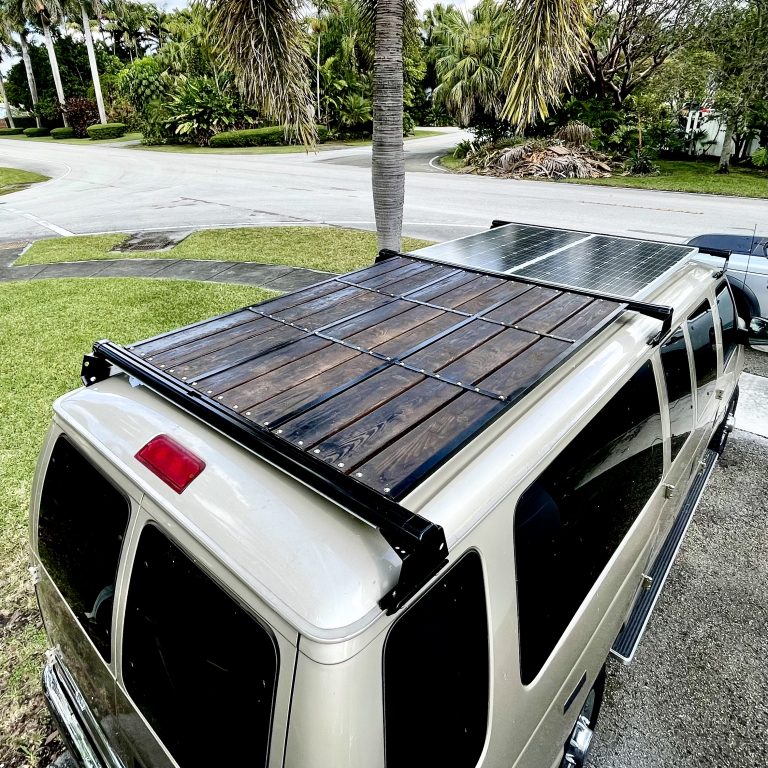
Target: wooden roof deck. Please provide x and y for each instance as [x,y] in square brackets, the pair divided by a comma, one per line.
[384,373]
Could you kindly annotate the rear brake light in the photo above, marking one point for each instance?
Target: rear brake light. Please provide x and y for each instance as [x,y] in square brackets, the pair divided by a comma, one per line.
[171,462]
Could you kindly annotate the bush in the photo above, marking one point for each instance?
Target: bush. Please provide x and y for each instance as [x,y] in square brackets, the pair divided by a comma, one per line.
[142,82]
[63,133]
[640,163]
[35,132]
[575,133]
[80,113]
[154,127]
[760,157]
[11,131]
[269,136]
[122,111]
[108,131]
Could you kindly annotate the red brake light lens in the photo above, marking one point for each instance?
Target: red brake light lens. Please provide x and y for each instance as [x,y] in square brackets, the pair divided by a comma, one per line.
[171,462]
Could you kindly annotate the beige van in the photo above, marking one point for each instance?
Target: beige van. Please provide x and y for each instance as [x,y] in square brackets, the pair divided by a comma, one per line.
[398,518]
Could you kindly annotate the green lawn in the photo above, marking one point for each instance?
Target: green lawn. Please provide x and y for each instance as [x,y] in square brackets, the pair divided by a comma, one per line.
[12,180]
[450,162]
[81,142]
[323,248]
[45,328]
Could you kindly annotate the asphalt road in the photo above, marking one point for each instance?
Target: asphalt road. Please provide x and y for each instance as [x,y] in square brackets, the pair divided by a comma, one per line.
[108,188]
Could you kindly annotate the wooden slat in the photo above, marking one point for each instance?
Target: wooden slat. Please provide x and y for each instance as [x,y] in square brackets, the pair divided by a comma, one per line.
[338,310]
[346,408]
[191,333]
[526,368]
[400,344]
[258,390]
[486,300]
[312,389]
[289,300]
[523,305]
[464,293]
[381,281]
[359,441]
[555,312]
[379,268]
[306,308]
[239,374]
[397,467]
[415,282]
[346,328]
[587,319]
[430,293]
[453,346]
[415,318]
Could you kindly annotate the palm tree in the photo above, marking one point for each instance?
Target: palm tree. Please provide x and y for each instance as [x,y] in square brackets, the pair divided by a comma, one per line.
[96,8]
[5,50]
[13,21]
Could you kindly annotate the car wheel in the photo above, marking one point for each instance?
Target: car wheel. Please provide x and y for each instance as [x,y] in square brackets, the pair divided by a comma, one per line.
[720,437]
[577,746]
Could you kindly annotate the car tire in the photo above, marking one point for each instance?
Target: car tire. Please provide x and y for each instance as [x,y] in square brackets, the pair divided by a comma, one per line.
[720,437]
[573,755]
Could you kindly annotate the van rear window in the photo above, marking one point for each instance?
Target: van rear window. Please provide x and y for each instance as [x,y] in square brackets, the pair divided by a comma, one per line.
[570,521]
[701,327]
[80,532]
[201,668]
[728,324]
[677,375]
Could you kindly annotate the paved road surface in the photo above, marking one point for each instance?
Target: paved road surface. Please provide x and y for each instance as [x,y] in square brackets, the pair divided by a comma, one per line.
[98,188]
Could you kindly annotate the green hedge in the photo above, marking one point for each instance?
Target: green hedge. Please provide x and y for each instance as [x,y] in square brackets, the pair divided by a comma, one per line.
[35,132]
[11,131]
[108,131]
[270,136]
[63,133]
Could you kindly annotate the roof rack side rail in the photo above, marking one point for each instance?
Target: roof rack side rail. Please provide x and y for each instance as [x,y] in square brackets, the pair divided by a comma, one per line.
[418,542]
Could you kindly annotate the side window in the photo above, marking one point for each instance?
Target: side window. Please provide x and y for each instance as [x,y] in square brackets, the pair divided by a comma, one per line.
[436,674]
[728,323]
[677,375]
[701,328]
[82,524]
[570,521]
[200,668]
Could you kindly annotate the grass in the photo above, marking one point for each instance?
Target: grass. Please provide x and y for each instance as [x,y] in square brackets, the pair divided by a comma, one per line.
[322,248]
[450,162]
[45,328]
[81,142]
[692,176]
[419,133]
[12,180]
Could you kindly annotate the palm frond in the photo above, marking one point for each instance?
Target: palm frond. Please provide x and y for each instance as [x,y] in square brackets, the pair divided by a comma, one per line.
[263,43]
[542,45]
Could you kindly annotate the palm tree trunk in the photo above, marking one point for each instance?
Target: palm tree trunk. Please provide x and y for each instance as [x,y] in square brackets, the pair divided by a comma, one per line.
[8,115]
[55,69]
[30,73]
[317,77]
[388,161]
[94,67]
[725,152]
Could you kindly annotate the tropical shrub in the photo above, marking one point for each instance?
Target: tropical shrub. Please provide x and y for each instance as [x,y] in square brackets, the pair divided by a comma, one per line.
[63,133]
[760,157]
[575,132]
[198,110]
[122,111]
[35,132]
[268,136]
[48,111]
[142,82]
[80,113]
[640,163]
[154,128]
[11,131]
[108,131]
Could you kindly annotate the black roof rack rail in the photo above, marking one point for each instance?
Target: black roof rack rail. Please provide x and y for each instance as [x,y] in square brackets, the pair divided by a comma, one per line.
[419,543]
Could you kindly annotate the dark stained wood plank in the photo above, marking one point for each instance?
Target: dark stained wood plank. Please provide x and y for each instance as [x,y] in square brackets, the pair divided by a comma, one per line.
[273,306]
[248,394]
[471,290]
[312,389]
[213,342]
[427,445]
[587,319]
[453,346]
[382,281]
[379,268]
[349,406]
[239,374]
[525,369]
[359,441]
[341,309]
[523,305]
[449,283]
[191,333]
[236,353]
[417,317]
[399,345]
[371,319]
[554,313]
[418,281]
[508,290]
[483,360]
[305,308]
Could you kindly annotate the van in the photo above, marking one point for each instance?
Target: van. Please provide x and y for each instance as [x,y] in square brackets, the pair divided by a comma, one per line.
[398,518]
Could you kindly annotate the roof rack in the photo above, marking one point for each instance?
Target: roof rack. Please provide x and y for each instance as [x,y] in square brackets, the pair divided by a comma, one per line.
[363,385]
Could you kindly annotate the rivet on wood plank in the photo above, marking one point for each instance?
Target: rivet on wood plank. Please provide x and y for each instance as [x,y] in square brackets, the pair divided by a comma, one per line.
[209,392]
[162,366]
[341,464]
[301,442]
[358,474]
[247,413]
[235,407]
[279,431]
[266,423]
[317,450]
[220,397]
[194,383]
[170,370]
[387,490]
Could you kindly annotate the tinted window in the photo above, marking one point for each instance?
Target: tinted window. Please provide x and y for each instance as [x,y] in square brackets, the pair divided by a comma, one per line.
[200,668]
[436,674]
[80,532]
[571,520]
[677,375]
[728,322]
[701,328]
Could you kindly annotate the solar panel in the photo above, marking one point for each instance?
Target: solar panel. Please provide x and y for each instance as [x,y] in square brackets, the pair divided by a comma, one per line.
[603,263]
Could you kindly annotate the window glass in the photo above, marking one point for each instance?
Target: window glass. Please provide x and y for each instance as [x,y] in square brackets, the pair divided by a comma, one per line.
[82,524]
[436,674]
[200,668]
[570,521]
[677,375]
[728,322]
[701,328]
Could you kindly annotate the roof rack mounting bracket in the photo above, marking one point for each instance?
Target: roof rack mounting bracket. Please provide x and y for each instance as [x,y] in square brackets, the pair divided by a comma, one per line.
[95,368]
[657,311]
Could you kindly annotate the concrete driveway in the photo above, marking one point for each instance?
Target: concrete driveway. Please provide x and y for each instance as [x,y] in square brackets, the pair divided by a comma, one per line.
[98,188]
